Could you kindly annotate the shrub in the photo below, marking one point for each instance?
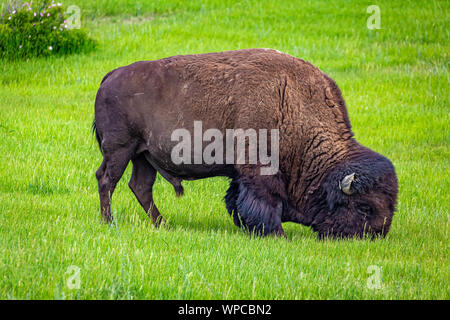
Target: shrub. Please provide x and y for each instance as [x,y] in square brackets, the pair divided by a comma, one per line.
[39,29]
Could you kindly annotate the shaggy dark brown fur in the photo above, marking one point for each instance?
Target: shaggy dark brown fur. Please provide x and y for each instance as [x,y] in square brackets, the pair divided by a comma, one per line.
[138,106]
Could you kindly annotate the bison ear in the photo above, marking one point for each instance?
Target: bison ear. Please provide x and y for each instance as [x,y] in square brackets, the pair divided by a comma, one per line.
[332,189]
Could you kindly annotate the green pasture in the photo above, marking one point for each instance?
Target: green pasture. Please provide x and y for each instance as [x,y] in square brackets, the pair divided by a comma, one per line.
[396,84]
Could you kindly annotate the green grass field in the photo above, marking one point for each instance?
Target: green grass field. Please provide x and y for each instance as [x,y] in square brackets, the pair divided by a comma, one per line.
[396,84]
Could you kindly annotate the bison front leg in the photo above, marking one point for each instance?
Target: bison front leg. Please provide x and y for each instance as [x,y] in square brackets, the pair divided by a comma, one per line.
[258,210]
[230,202]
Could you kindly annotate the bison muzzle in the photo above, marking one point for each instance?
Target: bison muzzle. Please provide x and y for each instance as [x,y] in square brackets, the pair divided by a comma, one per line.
[325,178]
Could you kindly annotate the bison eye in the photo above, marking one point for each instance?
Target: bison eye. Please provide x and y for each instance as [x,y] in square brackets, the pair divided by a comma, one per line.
[364,209]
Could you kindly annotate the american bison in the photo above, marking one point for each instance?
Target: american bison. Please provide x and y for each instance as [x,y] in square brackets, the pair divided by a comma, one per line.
[324,178]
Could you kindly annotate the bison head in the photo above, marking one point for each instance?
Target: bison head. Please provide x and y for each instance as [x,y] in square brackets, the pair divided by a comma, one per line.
[358,198]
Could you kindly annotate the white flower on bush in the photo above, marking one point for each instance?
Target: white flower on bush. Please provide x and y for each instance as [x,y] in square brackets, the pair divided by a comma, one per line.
[50,48]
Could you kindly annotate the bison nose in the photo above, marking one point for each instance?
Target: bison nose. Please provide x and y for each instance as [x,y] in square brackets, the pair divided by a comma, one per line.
[375,234]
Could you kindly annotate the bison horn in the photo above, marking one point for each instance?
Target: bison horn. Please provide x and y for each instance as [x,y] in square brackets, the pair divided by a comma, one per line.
[346,183]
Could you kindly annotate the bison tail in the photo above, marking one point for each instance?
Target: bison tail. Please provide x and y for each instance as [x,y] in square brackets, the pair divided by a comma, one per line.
[97,136]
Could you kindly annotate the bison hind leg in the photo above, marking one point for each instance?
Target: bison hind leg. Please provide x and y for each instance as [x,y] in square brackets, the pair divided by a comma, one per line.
[108,175]
[141,183]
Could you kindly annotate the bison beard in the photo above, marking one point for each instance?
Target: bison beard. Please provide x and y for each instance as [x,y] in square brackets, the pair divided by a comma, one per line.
[257,213]
[326,179]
